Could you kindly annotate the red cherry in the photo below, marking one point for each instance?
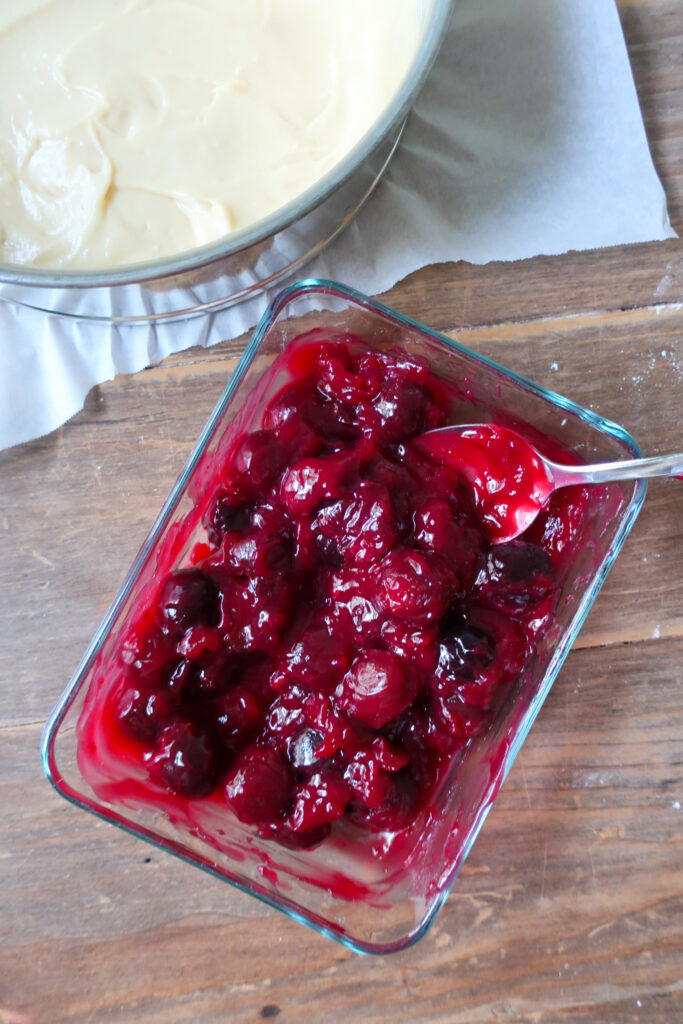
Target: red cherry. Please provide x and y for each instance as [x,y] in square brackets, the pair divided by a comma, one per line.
[318,659]
[142,715]
[188,598]
[376,689]
[226,514]
[367,779]
[146,658]
[457,539]
[184,760]
[478,654]
[257,461]
[237,716]
[414,586]
[361,528]
[353,611]
[514,577]
[258,787]
[310,482]
[319,801]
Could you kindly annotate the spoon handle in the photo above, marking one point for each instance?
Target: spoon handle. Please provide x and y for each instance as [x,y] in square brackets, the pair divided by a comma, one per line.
[627,469]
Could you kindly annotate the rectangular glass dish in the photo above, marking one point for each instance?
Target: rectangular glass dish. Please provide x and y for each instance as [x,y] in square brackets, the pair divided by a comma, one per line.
[377,891]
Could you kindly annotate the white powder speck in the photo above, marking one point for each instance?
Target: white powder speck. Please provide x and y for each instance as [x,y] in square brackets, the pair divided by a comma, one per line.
[656,633]
[676,805]
[554,367]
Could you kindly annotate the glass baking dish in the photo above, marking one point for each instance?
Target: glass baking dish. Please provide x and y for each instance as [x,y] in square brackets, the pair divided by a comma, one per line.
[371,902]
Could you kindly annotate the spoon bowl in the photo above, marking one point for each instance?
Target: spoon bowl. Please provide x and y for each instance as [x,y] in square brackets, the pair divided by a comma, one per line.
[511,480]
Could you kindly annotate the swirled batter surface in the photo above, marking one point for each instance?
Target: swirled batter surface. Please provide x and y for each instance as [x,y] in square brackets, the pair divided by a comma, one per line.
[134,130]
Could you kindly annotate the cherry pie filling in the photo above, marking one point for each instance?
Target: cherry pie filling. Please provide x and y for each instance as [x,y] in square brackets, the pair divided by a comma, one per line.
[345,627]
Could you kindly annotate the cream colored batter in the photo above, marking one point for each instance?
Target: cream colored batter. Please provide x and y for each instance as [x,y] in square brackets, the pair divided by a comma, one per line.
[135,129]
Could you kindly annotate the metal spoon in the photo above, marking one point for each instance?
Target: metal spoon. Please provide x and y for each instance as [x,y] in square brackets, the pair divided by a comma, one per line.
[512,480]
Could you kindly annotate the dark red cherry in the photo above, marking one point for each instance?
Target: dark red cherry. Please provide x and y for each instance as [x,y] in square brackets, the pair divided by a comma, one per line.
[181,678]
[299,439]
[417,645]
[353,606]
[302,750]
[309,483]
[514,577]
[258,552]
[388,756]
[188,598]
[362,527]
[479,653]
[285,835]
[320,800]
[402,409]
[341,384]
[558,526]
[226,514]
[236,717]
[303,403]
[258,787]
[455,537]
[398,808]
[452,716]
[258,460]
[318,659]
[184,760]
[142,715]
[414,585]
[403,486]
[254,612]
[286,716]
[367,779]
[200,640]
[376,688]
[147,658]
[464,654]
[336,731]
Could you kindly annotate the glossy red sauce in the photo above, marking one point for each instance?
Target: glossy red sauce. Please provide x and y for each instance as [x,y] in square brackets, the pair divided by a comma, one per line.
[343,627]
[508,479]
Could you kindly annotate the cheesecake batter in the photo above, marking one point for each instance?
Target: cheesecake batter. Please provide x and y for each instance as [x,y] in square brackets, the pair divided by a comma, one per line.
[135,129]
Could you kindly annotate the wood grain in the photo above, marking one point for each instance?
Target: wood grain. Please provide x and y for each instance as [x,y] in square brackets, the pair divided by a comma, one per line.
[570,907]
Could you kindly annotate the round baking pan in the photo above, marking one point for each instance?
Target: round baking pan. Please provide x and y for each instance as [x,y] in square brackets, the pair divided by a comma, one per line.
[243,263]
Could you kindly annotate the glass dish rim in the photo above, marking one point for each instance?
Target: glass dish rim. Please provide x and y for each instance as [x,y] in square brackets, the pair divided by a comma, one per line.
[298,207]
[309,918]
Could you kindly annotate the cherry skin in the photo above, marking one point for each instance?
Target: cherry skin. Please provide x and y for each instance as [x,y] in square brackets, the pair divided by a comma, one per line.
[184,760]
[258,786]
[514,577]
[187,599]
[320,800]
[414,586]
[377,688]
[142,715]
[237,716]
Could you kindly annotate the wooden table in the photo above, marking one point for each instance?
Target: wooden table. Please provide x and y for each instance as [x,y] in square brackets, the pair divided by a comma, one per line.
[570,907]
